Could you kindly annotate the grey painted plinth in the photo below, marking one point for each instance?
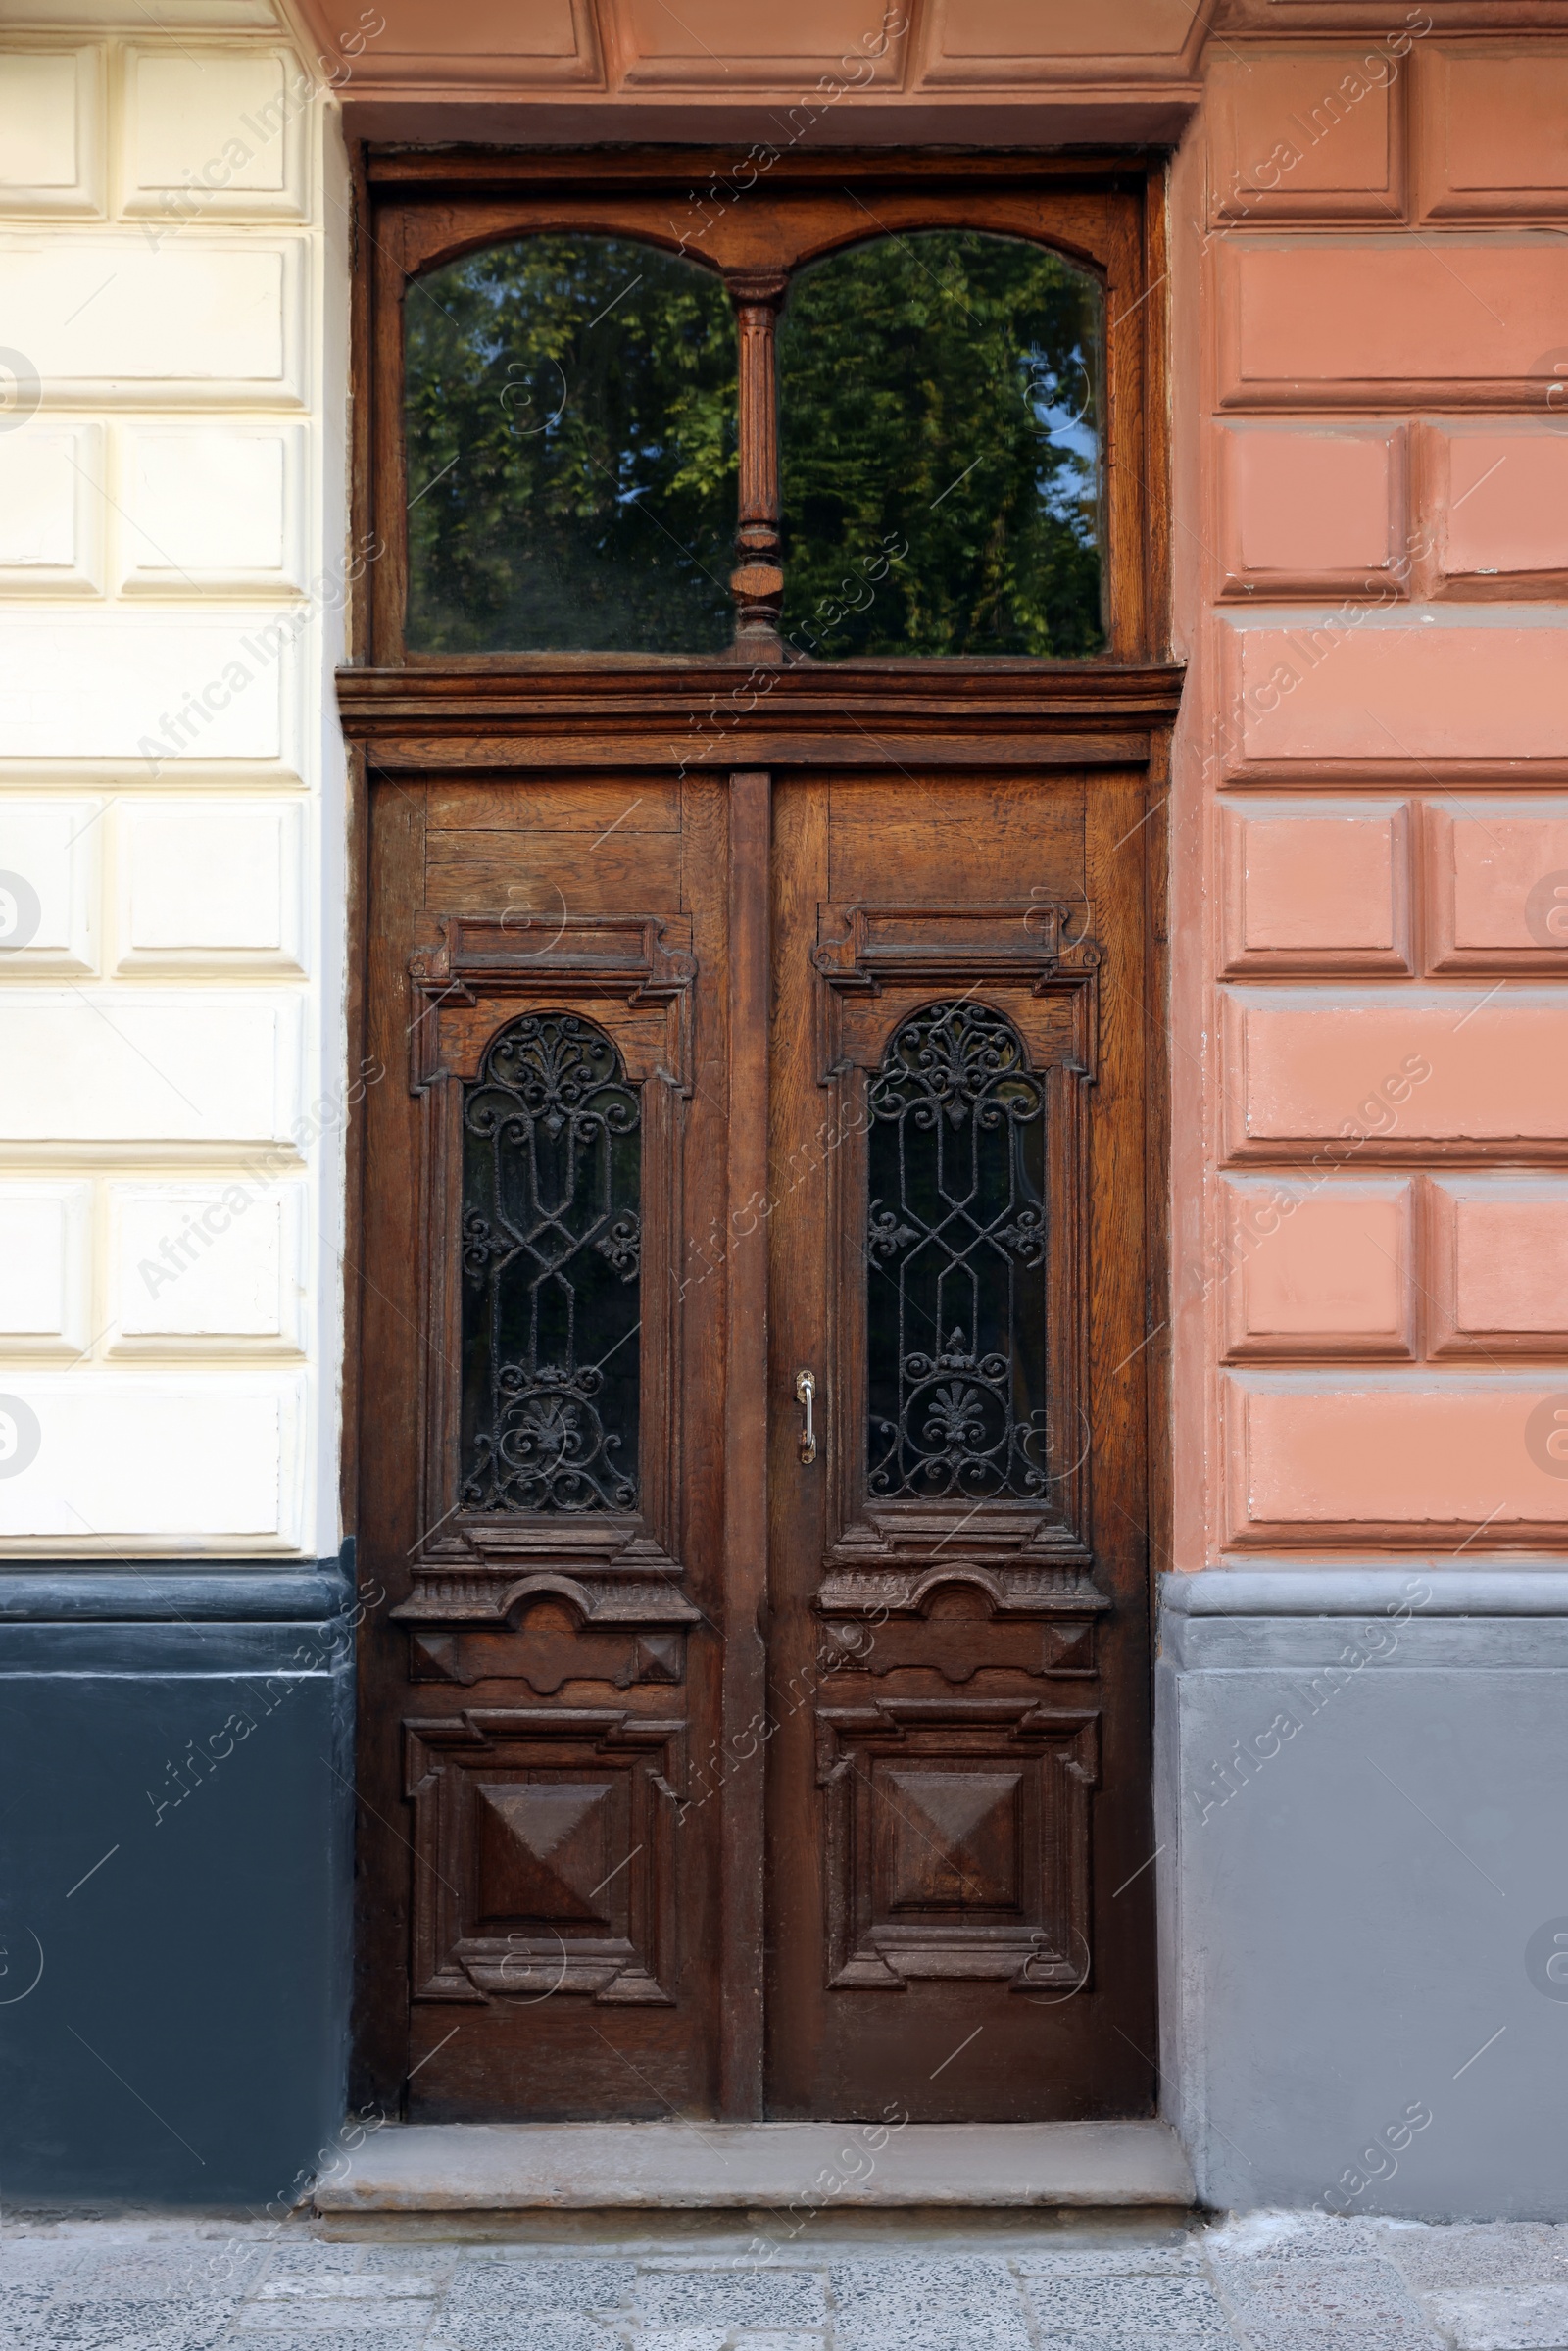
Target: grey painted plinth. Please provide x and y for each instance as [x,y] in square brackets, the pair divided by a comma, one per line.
[175,1879]
[511,2167]
[1364,1860]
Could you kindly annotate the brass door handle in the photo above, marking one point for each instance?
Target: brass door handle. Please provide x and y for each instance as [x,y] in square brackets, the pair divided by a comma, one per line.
[805,1395]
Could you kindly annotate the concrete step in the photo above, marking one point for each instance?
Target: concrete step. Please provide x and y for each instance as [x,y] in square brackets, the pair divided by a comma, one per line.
[812,2167]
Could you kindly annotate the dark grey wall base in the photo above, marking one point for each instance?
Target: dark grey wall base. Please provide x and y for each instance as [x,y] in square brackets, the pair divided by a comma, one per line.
[175,1855]
[1363,1790]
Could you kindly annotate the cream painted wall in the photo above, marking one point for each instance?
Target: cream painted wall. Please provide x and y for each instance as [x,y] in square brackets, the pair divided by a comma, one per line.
[173,569]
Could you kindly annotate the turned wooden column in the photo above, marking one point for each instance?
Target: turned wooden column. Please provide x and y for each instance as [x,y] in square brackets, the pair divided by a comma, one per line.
[757,579]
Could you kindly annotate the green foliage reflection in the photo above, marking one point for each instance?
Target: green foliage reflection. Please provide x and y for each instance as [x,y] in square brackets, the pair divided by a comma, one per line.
[940,404]
[571,415]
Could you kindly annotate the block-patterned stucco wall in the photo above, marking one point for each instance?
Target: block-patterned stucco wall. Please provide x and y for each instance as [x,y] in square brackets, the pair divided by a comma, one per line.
[174,1748]
[1371,800]
[1362,1762]
[1370,1066]
[173,569]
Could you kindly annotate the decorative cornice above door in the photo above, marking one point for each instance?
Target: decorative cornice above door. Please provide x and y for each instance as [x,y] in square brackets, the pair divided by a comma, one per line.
[1038,71]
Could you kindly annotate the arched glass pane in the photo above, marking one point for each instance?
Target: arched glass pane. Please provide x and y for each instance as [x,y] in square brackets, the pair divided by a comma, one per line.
[571,414]
[956,1262]
[552,1271]
[939,420]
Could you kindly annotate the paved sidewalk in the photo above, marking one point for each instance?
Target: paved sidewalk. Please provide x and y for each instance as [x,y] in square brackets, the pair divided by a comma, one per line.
[1270,2284]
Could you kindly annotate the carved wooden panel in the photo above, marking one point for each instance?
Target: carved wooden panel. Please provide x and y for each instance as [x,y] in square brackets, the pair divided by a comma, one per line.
[532,1683]
[543,1854]
[623,978]
[957,1841]
[957,1643]
[548,1650]
[902,981]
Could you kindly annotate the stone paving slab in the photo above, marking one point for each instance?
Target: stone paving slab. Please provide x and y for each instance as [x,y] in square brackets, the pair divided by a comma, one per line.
[1461,2258]
[1497,2317]
[1268,2282]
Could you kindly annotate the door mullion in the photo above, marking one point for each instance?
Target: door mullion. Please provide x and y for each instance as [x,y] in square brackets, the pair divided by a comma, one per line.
[744,1684]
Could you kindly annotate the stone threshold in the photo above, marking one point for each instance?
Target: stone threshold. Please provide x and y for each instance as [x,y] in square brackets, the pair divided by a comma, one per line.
[811,2167]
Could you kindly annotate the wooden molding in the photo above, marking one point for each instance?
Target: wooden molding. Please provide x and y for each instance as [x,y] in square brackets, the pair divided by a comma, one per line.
[926,1898]
[496,715]
[625,975]
[875,967]
[471,1779]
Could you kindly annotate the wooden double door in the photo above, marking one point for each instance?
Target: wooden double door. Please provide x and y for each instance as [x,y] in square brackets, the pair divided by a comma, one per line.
[757,1283]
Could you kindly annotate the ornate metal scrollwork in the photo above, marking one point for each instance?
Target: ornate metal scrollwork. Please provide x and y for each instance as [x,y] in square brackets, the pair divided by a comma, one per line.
[956,1246]
[551,1243]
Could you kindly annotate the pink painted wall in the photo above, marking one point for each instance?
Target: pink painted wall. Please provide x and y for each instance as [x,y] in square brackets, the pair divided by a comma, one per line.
[1370,802]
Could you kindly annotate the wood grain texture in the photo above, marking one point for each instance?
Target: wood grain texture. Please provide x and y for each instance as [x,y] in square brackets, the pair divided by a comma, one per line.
[551,2004]
[745,1419]
[757,581]
[873,897]
[1000,1977]
[531,747]
[838,1880]
[543,876]
[597,806]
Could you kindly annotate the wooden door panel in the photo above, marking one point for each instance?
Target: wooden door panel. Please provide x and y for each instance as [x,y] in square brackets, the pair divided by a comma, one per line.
[958,1661]
[539,1874]
[597,806]
[1032,838]
[568,1715]
[541,877]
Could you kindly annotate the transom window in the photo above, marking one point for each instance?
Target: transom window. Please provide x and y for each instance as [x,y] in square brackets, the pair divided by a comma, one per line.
[576,451]
[787,407]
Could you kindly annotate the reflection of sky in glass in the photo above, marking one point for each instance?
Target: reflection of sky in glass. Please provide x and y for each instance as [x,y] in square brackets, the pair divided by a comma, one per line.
[944,384]
[1063,402]
[1063,406]
[1067,430]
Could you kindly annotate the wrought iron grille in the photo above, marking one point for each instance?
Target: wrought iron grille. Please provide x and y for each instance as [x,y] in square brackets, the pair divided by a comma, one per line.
[956,1260]
[552,1260]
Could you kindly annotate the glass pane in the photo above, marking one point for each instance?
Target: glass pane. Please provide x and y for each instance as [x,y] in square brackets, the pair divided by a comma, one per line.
[551,1261]
[940,411]
[956,1262]
[571,412]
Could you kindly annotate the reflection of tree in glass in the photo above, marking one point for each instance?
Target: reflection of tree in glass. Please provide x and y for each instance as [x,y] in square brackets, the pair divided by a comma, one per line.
[570,409]
[943,387]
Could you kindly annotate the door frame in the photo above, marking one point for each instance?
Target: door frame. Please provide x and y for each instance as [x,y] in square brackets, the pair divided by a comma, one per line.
[510,713]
